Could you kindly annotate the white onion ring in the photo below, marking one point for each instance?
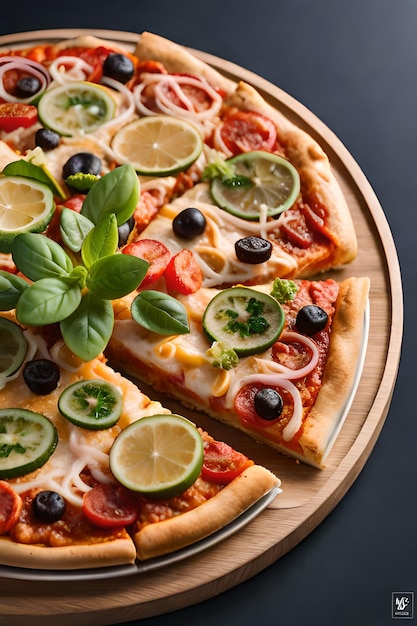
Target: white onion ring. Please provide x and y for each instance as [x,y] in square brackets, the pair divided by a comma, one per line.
[78,69]
[25,65]
[270,366]
[275,380]
[125,115]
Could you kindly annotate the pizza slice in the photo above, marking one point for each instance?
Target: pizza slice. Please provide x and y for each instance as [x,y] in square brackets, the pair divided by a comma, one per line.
[277,361]
[62,420]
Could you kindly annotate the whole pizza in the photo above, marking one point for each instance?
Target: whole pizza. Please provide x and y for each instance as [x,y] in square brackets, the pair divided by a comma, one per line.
[160,224]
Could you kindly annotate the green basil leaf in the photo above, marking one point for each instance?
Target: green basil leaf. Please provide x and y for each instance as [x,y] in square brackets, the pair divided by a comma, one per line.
[101,241]
[11,288]
[47,301]
[115,276]
[87,331]
[160,313]
[116,192]
[74,228]
[37,257]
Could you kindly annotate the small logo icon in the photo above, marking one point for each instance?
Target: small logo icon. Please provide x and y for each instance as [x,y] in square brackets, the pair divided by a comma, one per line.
[402,604]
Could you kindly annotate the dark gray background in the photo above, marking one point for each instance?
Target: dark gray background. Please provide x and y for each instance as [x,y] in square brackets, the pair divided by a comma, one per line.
[354,65]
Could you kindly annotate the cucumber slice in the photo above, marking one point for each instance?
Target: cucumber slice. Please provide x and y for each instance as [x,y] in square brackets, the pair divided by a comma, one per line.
[27,440]
[13,347]
[246,320]
[92,404]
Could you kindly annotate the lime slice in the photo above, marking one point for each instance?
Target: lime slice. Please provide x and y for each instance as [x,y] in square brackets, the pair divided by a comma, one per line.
[159,455]
[26,205]
[246,320]
[76,108]
[27,440]
[13,347]
[262,181]
[158,145]
[93,404]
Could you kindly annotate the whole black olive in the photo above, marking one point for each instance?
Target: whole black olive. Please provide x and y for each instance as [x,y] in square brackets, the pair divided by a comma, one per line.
[268,403]
[48,506]
[27,87]
[41,376]
[119,67]
[84,162]
[253,250]
[124,231]
[311,319]
[189,223]
[46,139]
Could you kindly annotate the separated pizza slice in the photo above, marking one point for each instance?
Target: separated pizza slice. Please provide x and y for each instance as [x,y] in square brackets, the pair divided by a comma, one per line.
[277,361]
[77,488]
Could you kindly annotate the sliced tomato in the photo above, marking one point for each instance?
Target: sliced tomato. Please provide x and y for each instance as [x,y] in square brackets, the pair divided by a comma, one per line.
[10,507]
[222,463]
[154,252]
[110,506]
[75,203]
[183,274]
[245,406]
[244,131]
[295,229]
[17,115]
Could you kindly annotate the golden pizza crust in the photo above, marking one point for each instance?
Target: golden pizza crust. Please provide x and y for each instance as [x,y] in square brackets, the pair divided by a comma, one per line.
[176,58]
[120,551]
[183,530]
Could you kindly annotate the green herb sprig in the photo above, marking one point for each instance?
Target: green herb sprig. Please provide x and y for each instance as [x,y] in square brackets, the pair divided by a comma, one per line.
[76,291]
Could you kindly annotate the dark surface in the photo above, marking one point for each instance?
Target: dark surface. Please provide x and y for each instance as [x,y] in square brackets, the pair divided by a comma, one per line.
[353,64]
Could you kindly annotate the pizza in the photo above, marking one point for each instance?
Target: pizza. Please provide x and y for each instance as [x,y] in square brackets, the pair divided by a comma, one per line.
[169,227]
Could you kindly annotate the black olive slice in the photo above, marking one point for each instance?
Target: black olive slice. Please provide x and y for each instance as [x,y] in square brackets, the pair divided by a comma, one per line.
[311,319]
[41,376]
[47,139]
[253,250]
[268,403]
[84,162]
[119,67]
[189,223]
[48,506]
[27,86]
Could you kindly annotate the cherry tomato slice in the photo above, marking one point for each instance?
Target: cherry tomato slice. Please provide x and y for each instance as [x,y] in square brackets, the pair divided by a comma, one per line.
[244,131]
[75,202]
[294,227]
[10,507]
[17,115]
[110,506]
[222,463]
[152,251]
[183,274]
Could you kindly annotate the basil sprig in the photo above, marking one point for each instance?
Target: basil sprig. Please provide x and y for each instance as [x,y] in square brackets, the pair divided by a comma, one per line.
[160,313]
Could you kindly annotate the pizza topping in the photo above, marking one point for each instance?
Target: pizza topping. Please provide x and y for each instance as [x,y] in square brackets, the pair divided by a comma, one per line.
[159,145]
[268,403]
[41,376]
[158,456]
[13,347]
[92,404]
[160,313]
[222,463]
[82,162]
[25,206]
[119,67]
[47,139]
[262,182]
[109,506]
[248,320]
[245,131]
[311,319]
[10,507]
[27,440]
[21,79]
[253,249]
[183,275]
[48,506]
[155,253]
[15,115]
[76,108]
[189,223]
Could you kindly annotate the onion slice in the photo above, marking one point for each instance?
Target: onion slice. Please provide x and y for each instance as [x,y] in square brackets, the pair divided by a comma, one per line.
[27,66]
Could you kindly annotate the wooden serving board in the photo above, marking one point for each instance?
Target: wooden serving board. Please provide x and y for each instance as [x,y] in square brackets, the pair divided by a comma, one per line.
[308,494]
